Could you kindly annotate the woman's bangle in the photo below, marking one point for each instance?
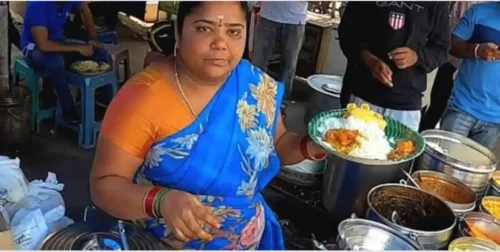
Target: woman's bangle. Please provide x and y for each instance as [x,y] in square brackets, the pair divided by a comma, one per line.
[158,201]
[305,151]
[149,199]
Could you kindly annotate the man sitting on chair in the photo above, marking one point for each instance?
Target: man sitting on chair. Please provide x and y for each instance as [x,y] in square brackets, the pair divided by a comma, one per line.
[45,47]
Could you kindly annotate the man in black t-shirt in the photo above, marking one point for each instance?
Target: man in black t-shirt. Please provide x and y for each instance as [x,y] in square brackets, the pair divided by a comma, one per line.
[390,48]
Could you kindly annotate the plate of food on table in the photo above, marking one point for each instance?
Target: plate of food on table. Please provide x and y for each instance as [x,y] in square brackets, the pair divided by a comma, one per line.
[362,134]
[89,67]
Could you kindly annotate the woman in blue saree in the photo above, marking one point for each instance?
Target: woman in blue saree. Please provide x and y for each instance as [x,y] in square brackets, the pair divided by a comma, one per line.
[189,143]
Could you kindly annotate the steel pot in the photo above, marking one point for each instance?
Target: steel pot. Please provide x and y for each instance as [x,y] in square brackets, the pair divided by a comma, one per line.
[494,187]
[347,181]
[324,95]
[358,234]
[465,159]
[456,194]
[413,212]
[471,243]
[485,223]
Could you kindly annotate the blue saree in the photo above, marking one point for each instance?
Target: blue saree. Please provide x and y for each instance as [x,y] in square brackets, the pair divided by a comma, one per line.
[225,157]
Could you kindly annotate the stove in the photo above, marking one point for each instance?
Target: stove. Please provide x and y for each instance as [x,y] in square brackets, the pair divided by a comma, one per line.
[301,214]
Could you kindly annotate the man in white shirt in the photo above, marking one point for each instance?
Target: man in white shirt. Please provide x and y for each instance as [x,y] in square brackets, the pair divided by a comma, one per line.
[284,21]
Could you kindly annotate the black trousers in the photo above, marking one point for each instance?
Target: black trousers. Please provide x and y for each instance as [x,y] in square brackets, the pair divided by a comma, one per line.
[440,93]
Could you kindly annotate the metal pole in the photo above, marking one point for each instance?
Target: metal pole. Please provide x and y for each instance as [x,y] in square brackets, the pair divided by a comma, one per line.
[4,46]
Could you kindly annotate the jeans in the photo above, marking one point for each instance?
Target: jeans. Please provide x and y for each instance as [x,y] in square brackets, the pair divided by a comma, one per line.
[457,121]
[440,93]
[290,37]
[56,63]
[410,118]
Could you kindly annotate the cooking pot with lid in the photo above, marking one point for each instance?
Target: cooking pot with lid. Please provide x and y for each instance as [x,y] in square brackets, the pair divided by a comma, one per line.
[413,212]
[324,94]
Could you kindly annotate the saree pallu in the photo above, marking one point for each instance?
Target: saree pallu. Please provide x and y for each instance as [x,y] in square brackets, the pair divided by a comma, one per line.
[225,157]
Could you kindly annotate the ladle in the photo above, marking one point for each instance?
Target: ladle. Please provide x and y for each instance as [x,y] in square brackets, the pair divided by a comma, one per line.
[411,179]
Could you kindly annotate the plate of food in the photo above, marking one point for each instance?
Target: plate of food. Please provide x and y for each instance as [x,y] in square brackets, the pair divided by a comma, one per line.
[362,135]
[89,67]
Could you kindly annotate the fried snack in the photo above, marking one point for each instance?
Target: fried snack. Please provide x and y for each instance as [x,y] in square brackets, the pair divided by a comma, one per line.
[87,66]
[403,149]
[343,140]
[364,113]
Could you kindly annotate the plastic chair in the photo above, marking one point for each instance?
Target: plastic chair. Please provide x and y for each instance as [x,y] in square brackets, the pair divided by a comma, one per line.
[119,54]
[108,37]
[88,128]
[32,78]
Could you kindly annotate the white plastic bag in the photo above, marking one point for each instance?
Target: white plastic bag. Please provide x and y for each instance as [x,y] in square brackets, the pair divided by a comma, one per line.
[28,229]
[13,179]
[43,195]
[38,214]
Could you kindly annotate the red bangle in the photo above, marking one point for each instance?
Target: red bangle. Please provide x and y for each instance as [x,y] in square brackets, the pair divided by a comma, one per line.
[305,152]
[149,201]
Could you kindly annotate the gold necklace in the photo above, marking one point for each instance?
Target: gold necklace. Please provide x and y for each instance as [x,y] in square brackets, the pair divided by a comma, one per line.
[182,90]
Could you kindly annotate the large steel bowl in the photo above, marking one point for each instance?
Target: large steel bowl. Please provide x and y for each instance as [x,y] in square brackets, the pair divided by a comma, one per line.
[465,160]
[486,224]
[413,212]
[471,243]
[456,194]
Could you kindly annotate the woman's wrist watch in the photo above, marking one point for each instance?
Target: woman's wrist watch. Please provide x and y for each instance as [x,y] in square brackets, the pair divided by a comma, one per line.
[304,150]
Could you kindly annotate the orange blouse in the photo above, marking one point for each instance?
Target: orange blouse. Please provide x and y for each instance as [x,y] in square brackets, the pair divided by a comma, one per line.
[145,110]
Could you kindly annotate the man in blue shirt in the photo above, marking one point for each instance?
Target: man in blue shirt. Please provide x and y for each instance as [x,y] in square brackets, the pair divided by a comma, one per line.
[45,46]
[474,106]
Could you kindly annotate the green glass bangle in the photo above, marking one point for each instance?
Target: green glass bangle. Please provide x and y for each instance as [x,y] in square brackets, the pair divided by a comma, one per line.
[157,202]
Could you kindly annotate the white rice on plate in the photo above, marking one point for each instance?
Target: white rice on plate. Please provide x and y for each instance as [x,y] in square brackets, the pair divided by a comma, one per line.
[374,143]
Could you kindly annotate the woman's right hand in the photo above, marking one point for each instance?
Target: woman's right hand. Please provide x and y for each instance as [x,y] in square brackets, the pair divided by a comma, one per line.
[184,215]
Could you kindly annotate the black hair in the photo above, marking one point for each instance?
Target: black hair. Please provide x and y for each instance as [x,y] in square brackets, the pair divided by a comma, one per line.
[186,7]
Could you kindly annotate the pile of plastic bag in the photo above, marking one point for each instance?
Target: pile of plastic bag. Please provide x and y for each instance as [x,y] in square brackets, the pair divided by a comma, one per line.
[32,209]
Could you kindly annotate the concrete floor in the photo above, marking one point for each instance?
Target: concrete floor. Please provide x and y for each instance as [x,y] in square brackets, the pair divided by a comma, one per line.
[60,154]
